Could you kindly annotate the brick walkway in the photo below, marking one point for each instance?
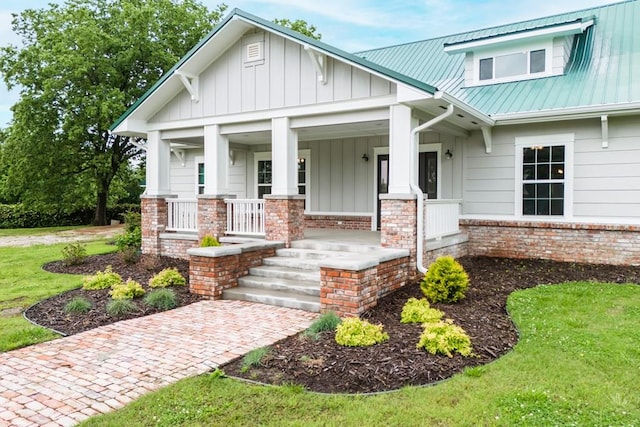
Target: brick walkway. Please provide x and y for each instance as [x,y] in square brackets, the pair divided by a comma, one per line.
[62,382]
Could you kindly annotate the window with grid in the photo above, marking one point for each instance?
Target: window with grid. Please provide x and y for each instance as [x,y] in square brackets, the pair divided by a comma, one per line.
[200,178]
[543,180]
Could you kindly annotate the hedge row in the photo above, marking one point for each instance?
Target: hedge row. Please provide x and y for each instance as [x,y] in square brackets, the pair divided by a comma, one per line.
[17,216]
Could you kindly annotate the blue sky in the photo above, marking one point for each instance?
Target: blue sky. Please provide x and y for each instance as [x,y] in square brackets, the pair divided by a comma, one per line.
[354,25]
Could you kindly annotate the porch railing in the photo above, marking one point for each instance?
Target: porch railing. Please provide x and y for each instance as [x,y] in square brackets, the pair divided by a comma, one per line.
[182,215]
[441,218]
[245,216]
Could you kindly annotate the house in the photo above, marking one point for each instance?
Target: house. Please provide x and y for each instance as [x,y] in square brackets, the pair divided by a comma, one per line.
[521,140]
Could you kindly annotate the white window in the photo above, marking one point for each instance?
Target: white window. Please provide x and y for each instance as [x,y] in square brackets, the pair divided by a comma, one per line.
[199,175]
[544,175]
[264,173]
[512,66]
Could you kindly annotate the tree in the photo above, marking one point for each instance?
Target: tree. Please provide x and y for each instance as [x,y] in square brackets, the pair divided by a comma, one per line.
[79,67]
[300,26]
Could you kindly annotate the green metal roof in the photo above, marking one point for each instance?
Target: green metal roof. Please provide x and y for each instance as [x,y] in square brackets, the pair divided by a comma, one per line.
[604,68]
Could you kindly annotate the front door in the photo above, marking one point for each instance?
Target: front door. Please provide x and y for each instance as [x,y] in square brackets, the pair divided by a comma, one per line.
[383,180]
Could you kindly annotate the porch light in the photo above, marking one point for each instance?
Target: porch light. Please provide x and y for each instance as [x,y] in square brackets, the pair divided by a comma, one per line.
[448,154]
[232,157]
[365,157]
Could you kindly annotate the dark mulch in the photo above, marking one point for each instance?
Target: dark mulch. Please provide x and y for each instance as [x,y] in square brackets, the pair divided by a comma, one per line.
[50,312]
[324,366]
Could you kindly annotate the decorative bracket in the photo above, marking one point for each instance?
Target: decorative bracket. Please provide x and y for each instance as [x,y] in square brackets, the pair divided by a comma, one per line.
[191,83]
[180,154]
[488,139]
[136,144]
[604,120]
[319,61]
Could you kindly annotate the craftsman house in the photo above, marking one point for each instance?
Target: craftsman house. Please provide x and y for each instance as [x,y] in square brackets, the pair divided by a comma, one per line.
[339,176]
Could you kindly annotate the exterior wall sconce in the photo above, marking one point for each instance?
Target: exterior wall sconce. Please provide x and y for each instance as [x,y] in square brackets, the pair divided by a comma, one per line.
[448,154]
[232,157]
[365,157]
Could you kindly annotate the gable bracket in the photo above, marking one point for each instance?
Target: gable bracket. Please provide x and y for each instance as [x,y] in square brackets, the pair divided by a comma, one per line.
[488,140]
[180,154]
[604,120]
[319,61]
[190,82]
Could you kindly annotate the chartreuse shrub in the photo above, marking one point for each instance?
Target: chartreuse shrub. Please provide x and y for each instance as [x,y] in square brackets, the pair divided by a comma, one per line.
[74,254]
[102,280]
[254,358]
[128,290]
[326,322]
[167,277]
[162,299]
[445,281]
[419,311]
[120,307]
[78,305]
[209,240]
[443,337]
[354,332]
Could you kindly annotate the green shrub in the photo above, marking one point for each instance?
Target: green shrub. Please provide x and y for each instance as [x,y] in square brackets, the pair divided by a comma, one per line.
[74,254]
[129,254]
[128,290]
[326,322]
[254,358]
[167,277]
[78,305]
[162,299]
[132,221]
[120,307]
[21,216]
[129,239]
[419,311]
[208,240]
[102,280]
[445,281]
[444,337]
[353,332]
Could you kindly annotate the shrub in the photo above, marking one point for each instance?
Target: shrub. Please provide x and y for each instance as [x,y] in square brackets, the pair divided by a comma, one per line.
[128,290]
[444,337]
[167,277]
[129,239]
[120,307]
[208,240]
[419,311]
[353,332]
[162,299]
[326,322]
[132,221]
[78,305]
[129,254]
[445,281]
[74,254]
[254,358]
[102,280]
[150,262]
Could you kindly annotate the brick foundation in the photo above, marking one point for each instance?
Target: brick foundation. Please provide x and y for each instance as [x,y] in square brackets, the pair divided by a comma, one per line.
[210,275]
[175,246]
[584,243]
[153,210]
[398,228]
[284,218]
[212,216]
[351,293]
[338,222]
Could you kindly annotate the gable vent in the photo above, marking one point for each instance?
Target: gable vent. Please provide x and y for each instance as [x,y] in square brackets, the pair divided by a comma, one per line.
[254,52]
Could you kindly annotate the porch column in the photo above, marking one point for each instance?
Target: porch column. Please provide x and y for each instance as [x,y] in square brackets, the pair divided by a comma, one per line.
[400,149]
[399,225]
[284,208]
[212,210]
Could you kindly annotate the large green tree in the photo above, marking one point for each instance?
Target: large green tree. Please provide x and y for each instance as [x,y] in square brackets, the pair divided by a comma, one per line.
[79,66]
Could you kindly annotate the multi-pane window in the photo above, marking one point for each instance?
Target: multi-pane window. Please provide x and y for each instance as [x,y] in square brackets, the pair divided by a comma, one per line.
[200,178]
[265,176]
[512,65]
[543,180]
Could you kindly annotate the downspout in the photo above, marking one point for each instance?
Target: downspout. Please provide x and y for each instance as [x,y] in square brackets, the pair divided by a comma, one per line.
[416,188]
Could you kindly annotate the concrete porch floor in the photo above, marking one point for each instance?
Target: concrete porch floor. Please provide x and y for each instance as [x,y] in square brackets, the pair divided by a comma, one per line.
[354,237]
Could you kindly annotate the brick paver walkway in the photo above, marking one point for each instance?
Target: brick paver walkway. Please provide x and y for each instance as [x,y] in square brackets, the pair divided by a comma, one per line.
[62,382]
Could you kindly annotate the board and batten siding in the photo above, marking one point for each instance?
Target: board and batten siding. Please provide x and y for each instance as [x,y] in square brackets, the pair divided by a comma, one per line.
[286,78]
[606,181]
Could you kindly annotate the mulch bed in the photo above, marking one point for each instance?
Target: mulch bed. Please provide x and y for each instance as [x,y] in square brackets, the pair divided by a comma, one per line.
[324,366]
[50,312]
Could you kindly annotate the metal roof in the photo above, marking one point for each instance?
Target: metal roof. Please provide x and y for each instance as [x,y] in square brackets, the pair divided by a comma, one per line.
[603,70]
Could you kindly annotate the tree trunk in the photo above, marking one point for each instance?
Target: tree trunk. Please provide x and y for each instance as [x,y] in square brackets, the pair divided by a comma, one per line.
[100,217]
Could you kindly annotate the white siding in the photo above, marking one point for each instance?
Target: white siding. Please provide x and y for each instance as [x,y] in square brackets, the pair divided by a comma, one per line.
[285,78]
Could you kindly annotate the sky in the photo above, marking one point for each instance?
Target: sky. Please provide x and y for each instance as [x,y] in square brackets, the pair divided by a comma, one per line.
[352,25]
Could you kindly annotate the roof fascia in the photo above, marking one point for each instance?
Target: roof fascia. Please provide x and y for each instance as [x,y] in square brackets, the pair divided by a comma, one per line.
[576,113]
[485,119]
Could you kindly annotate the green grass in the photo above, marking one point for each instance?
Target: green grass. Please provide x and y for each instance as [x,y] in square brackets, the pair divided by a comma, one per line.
[14,232]
[23,282]
[577,363]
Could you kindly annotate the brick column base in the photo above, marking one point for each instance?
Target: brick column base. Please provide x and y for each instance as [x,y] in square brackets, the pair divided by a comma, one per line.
[398,228]
[212,215]
[154,221]
[284,218]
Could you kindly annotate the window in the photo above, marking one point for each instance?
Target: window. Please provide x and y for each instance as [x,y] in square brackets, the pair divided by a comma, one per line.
[199,175]
[512,65]
[264,173]
[264,178]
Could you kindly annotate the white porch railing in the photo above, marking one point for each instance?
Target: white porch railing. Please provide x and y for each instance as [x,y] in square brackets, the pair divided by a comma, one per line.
[245,216]
[441,218]
[182,215]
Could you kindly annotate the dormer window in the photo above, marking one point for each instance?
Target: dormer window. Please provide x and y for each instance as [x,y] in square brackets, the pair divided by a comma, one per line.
[517,64]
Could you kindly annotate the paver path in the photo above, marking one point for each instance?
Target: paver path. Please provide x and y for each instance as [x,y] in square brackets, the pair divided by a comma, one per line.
[62,382]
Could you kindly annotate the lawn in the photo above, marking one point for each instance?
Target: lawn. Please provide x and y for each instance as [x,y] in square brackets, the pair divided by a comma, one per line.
[15,232]
[23,282]
[577,363]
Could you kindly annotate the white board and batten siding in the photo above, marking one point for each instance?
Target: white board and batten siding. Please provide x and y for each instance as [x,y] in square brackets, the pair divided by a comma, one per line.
[606,181]
[286,78]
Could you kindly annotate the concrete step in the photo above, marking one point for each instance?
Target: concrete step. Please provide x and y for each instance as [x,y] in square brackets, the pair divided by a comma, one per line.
[277,284]
[309,253]
[276,298]
[319,246]
[309,264]
[289,273]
